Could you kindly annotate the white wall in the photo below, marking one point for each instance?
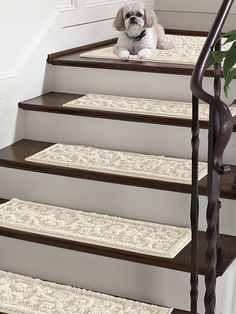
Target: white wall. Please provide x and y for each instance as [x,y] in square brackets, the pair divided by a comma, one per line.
[191,14]
[23,27]
[30,29]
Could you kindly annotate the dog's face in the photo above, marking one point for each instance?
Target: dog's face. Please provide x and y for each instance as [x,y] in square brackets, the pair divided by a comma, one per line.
[134,18]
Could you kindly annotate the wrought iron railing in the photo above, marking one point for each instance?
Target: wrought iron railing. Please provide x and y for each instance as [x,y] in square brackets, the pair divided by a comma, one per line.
[220,130]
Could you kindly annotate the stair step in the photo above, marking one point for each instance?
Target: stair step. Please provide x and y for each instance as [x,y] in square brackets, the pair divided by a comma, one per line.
[15,156]
[121,108]
[172,64]
[51,225]
[118,163]
[187,50]
[21,294]
[89,228]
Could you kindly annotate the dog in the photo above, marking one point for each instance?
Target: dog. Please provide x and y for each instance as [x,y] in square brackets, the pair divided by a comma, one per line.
[140,34]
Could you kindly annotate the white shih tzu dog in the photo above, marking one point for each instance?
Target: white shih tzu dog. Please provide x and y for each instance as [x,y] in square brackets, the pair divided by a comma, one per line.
[140,34]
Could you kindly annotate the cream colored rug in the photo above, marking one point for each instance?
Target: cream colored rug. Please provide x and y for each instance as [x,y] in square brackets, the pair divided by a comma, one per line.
[24,295]
[108,231]
[187,51]
[160,108]
[119,163]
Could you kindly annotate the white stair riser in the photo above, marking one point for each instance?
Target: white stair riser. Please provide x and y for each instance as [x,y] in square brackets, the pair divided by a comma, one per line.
[128,83]
[112,199]
[112,276]
[121,135]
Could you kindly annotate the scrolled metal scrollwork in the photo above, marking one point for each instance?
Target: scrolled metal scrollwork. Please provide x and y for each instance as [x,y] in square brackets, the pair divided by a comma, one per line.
[220,130]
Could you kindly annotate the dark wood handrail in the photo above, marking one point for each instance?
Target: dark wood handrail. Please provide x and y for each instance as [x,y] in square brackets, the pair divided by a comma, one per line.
[226,123]
[220,130]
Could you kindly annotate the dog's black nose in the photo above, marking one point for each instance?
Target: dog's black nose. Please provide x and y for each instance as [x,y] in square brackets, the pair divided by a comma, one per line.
[133,19]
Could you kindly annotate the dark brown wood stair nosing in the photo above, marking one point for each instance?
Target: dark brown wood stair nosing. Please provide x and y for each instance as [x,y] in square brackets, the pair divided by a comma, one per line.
[175,311]
[181,262]
[153,67]
[114,40]
[52,102]
[14,157]
[134,66]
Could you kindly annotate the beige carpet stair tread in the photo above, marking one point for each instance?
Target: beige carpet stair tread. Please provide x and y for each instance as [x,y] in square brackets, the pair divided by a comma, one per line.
[187,51]
[161,108]
[25,295]
[120,163]
[102,230]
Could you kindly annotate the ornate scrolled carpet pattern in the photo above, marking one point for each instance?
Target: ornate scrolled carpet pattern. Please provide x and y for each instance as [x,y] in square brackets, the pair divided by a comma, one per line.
[24,295]
[120,163]
[161,108]
[102,230]
[186,51]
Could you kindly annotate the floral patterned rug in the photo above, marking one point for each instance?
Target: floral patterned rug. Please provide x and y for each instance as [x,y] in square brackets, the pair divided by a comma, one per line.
[25,295]
[120,163]
[186,51]
[108,231]
[160,108]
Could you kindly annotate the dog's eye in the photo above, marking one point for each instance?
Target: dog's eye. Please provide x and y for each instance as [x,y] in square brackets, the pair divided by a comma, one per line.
[138,14]
[128,15]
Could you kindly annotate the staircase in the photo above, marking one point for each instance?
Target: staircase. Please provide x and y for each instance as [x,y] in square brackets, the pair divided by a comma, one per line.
[97,195]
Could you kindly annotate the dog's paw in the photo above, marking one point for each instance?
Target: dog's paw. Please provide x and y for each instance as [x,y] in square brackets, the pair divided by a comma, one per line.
[145,53]
[124,55]
[166,45]
[141,55]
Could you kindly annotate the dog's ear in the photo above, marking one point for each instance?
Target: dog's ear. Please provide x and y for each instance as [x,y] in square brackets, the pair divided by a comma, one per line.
[150,17]
[119,23]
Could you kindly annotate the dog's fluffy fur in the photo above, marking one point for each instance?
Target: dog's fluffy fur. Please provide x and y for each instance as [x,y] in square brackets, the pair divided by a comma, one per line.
[140,34]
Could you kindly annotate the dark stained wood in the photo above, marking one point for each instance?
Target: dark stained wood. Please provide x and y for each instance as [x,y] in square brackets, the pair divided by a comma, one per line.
[179,312]
[186,32]
[14,157]
[181,262]
[113,41]
[52,102]
[81,48]
[72,58]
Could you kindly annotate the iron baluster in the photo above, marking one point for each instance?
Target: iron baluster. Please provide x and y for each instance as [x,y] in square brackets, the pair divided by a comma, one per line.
[194,205]
[213,198]
[216,128]
[220,130]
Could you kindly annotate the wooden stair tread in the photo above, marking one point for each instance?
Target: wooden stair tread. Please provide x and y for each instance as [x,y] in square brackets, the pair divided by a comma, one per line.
[77,226]
[181,262]
[53,102]
[71,57]
[180,312]
[14,156]
[17,292]
[118,163]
